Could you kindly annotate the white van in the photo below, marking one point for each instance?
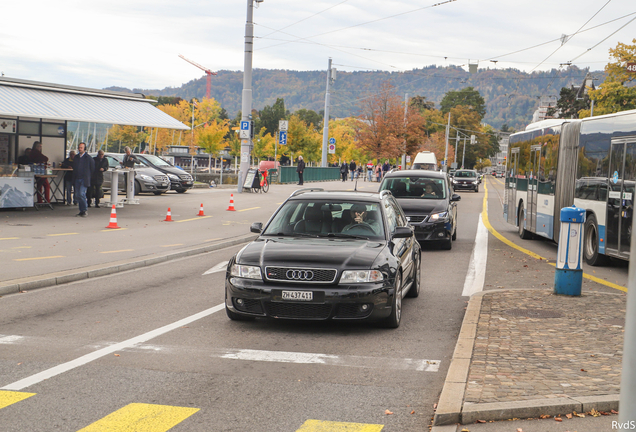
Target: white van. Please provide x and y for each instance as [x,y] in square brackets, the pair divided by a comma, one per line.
[425,160]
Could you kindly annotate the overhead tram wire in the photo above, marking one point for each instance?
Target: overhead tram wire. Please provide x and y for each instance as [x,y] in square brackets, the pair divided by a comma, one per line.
[305,19]
[590,49]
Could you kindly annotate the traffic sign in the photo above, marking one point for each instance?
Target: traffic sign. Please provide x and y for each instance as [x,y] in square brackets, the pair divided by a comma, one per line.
[332,148]
[245,130]
[282,137]
[332,140]
[282,125]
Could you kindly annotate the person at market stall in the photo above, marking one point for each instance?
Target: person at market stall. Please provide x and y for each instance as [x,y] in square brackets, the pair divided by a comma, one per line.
[42,183]
[68,178]
[25,159]
[95,192]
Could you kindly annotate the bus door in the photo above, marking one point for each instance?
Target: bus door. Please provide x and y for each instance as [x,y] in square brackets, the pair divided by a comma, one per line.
[511,186]
[533,182]
[620,200]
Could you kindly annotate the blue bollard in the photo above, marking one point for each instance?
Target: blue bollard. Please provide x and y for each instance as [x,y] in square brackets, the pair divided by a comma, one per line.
[568,277]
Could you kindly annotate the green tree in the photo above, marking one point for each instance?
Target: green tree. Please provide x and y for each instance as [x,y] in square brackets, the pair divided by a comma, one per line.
[311,118]
[467,97]
[568,106]
[269,116]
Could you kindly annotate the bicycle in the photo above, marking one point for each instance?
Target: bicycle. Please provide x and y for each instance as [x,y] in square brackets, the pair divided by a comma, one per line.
[264,181]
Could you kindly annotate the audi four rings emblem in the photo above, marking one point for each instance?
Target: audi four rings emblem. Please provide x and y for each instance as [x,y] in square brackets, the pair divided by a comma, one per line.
[300,274]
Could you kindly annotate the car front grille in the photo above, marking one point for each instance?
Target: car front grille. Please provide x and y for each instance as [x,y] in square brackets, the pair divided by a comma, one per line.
[417,219]
[161,178]
[298,310]
[300,275]
[185,177]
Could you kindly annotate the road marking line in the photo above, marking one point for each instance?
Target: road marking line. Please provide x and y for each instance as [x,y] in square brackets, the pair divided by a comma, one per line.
[22,247]
[324,426]
[80,361]
[196,218]
[217,268]
[251,208]
[214,239]
[10,238]
[61,234]
[117,251]
[38,258]
[9,397]
[113,230]
[172,245]
[420,365]
[476,275]
[140,417]
[10,339]
[484,214]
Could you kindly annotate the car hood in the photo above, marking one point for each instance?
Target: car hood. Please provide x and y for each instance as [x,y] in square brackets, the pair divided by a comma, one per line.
[422,206]
[304,252]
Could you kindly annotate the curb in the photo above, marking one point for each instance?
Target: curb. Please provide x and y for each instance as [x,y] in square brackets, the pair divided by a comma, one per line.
[452,410]
[27,284]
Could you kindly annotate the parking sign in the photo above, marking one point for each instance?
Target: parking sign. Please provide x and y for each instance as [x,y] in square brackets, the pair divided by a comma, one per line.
[245,130]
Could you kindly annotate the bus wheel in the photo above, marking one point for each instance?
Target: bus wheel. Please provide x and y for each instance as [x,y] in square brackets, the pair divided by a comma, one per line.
[523,233]
[591,254]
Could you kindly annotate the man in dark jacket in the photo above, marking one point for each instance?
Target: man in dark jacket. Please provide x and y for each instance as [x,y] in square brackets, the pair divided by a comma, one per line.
[352,169]
[129,159]
[300,168]
[95,191]
[83,167]
[344,169]
[42,183]
[68,178]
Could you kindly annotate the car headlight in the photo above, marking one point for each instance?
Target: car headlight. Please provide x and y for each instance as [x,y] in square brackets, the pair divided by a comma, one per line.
[454,181]
[244,271]
[173,177]
[475,182]
[146,178]
[361,276]
[437,216]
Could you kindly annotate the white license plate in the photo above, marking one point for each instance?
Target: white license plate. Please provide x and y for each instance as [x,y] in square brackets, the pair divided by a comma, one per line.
[163,184]
[298,295]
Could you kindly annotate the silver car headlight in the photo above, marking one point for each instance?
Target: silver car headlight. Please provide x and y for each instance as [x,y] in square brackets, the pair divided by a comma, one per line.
[475,182]
[361,276]
[437,216]
[173,177]
[245,271]
[146,178]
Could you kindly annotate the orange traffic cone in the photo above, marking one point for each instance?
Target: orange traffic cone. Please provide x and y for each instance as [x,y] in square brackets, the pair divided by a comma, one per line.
[231,207]
[113,219]
[201,211]
[168,216]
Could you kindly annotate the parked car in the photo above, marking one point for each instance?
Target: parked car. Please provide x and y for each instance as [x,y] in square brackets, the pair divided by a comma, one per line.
[146,179]
[314,261]
[180,180]
[428,201]
[466,179]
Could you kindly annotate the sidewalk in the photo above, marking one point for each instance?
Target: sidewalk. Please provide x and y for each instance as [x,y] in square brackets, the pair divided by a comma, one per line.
[530,353]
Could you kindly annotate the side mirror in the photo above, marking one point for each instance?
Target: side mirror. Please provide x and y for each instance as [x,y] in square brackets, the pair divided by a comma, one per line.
[403,232]
[456,197]
[256,227]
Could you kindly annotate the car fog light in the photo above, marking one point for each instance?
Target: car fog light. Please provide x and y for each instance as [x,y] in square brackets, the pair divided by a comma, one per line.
[364,307]
[239,301]
[441,234]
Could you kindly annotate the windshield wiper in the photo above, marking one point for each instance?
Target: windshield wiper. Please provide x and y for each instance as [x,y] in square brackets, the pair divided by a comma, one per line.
[352,236]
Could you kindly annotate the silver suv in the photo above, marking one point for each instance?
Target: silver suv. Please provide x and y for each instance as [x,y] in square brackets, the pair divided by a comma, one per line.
[146,179]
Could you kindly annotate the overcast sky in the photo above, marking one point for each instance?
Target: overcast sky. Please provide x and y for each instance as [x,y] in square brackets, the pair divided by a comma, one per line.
[136,43]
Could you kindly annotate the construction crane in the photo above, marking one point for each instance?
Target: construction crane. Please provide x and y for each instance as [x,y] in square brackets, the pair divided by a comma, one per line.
[207,71]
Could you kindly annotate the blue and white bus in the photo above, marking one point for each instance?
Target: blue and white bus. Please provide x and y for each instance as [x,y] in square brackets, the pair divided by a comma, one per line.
[590,163]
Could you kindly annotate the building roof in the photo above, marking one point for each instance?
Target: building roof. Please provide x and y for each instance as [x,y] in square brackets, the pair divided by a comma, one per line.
[22,98]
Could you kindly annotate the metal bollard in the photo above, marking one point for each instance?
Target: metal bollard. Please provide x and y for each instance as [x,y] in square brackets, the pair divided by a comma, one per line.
[568,277]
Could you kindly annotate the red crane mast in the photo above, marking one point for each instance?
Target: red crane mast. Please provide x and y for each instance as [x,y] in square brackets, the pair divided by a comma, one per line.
[207,71]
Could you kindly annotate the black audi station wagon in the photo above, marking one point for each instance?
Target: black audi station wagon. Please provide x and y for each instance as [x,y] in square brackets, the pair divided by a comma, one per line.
[428,201]
[327,256]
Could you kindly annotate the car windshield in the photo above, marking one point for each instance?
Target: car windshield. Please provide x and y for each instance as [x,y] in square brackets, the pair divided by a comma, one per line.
[415,187]
[320,218]
[464,174]
[156,160]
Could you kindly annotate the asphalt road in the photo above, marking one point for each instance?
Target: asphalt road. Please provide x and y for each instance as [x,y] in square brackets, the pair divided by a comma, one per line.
[155,343]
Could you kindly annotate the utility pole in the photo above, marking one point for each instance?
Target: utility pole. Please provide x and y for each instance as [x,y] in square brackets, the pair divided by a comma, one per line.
[406,107]
[246,105]
[446,151]
[627,404]
[325,121]
[456,146]
[464,153]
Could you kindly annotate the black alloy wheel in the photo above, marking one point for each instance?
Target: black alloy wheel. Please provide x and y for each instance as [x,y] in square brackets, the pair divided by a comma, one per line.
[414,291]
[591,254]
[523,233]
[393,320]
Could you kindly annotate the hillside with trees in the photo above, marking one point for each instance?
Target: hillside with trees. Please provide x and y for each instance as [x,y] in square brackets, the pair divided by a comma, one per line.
[510,95]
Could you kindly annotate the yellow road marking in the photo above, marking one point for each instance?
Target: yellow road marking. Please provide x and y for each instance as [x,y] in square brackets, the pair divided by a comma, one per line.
[38,258]
[123,250]
[142,418]
[113,230]
[10,238]
[328,426]
[176,244]
[10,397]
[252,208]
[61,234]
[484,218]
[196,218]
[22,247]
[212,239]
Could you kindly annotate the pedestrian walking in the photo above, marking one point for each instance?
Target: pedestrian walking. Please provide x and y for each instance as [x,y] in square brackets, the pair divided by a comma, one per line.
[68,178]
[300,169]
[378,172]
[83,167]
[386,167]
[344,169]
[370,170]
[129,159]
[95,192]
[352,169]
